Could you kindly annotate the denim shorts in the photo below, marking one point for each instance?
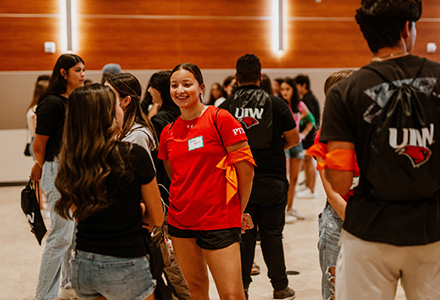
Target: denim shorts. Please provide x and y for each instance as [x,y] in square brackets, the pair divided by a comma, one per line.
[115,278]
[295,152]
[208,239]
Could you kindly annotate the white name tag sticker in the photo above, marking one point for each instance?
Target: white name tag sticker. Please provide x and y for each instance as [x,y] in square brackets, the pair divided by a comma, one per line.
[195,143]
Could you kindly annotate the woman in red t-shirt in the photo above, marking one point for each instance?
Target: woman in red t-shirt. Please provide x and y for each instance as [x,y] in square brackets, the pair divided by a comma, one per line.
[207,157]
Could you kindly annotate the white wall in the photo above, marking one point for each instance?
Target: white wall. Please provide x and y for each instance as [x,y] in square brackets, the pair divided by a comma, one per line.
[14,166]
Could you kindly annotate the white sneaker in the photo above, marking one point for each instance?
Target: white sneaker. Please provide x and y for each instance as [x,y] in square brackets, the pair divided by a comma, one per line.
[307,194]
[294,213]
[290,219]
[67,294]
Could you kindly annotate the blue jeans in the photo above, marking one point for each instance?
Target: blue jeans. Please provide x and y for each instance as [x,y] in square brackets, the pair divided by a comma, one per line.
[115,278]
[330,225]
[56,254]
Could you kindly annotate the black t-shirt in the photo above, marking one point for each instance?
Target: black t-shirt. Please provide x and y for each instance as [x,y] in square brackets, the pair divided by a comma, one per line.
[160,120]
[116,230]
[350,109]
[51,111]
[313,105]
[271,161]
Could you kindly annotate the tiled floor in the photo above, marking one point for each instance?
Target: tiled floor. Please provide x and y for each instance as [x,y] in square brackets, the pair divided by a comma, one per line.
[20,254]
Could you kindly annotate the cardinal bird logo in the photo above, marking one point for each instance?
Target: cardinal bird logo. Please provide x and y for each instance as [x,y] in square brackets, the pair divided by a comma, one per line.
[416,154]
[249,122]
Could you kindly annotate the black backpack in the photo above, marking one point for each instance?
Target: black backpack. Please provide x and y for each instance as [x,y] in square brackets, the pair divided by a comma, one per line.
[404,150]
[253,109]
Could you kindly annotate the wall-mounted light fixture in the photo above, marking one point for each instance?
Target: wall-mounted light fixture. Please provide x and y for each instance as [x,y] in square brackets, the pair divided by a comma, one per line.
[68,28]
[277,26]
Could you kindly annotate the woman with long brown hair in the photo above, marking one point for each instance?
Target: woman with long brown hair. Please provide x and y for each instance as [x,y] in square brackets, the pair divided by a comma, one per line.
[137,128]
[111,189]
[67,75]
[295,155]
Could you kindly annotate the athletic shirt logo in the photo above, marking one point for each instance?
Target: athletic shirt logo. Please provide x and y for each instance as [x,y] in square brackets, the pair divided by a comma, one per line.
[413,143]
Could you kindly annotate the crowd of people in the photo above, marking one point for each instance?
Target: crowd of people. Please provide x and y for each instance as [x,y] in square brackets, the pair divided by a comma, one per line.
[230,167]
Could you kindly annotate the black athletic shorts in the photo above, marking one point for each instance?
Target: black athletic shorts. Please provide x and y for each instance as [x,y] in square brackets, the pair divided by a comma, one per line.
[208,239]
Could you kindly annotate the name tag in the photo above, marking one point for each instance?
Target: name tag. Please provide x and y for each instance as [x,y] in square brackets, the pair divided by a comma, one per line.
[195,143]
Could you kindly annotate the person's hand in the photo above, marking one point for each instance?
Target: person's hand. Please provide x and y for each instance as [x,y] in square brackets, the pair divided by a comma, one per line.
[36,172]
[246,222]
[145,225]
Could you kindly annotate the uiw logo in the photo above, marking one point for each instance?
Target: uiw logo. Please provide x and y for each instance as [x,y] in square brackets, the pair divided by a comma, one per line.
[413,143]
[249,116]
[31,217]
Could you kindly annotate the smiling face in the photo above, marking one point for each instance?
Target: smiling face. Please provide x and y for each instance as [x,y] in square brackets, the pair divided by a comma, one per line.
[75,76]
[185,90]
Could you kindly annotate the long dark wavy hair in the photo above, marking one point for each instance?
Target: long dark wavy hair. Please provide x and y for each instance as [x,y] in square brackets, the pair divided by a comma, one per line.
[89,143]
[57,83]
[294,100]
[126,84]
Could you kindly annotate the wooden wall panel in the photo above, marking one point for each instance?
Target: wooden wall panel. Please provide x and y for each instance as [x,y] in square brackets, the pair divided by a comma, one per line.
[327,8]
[142,44]
[156,34]
[310,44]
[29,7]
[177,7]
[22,43]
[431,9]
[427,32]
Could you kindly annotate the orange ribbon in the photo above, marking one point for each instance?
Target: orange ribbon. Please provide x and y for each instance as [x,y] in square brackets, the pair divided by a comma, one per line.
[341,159]
[338,159]
[318,150]
[227,163]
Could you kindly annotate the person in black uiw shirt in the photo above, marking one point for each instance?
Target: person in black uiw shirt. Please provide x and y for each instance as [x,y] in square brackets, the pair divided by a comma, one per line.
[384,240]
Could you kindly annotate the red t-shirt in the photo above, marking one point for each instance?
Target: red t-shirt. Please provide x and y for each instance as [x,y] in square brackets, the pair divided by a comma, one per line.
[198,187]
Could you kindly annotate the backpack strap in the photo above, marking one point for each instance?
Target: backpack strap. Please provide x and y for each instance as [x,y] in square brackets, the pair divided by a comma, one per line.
[390,81]
[172,124]
[216,128]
